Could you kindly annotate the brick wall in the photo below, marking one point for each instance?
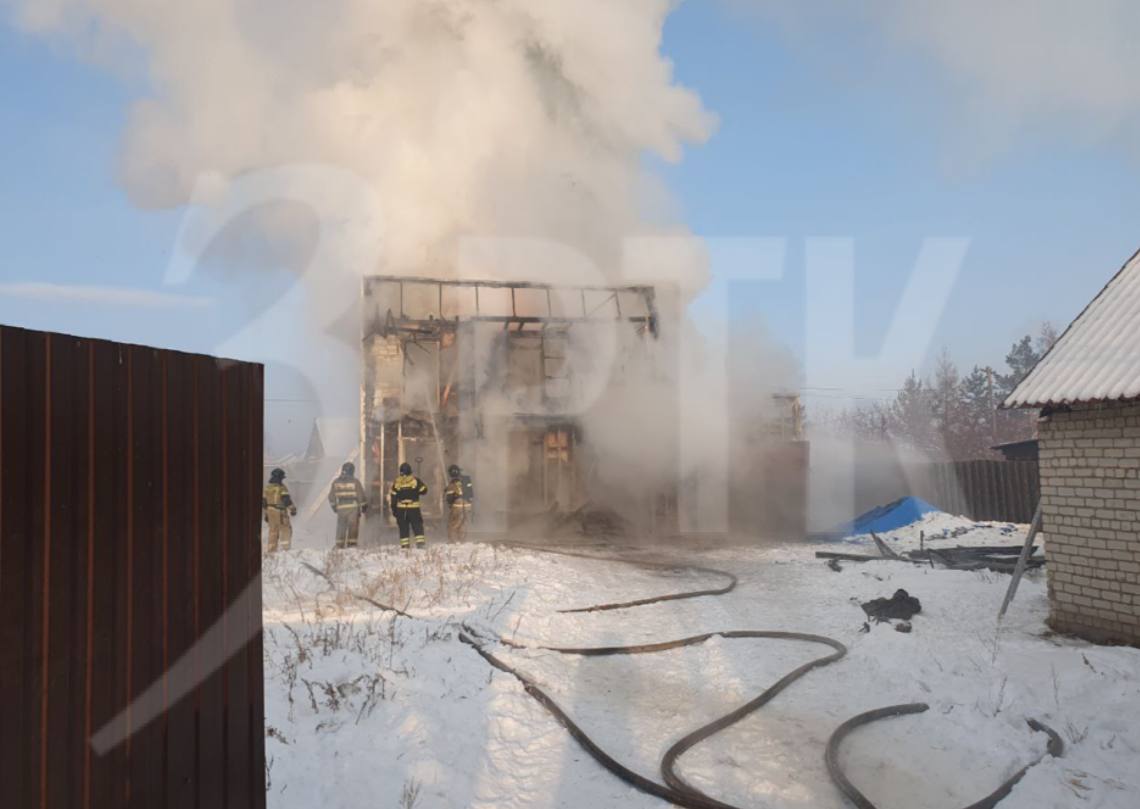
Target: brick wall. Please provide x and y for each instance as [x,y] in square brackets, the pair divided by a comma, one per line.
[1090,488]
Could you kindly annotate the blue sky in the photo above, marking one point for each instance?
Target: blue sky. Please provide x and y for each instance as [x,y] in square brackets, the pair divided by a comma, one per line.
[822,136]
[807,150]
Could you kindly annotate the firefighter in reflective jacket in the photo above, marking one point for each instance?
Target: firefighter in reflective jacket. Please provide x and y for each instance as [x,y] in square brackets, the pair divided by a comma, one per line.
[277,506]
[404,498]
[459,493]
[346,498]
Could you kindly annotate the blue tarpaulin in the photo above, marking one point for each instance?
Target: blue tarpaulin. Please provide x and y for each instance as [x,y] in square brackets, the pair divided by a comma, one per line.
[894,515]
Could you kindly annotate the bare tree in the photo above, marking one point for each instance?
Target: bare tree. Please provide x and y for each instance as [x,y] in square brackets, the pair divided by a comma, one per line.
[953,416]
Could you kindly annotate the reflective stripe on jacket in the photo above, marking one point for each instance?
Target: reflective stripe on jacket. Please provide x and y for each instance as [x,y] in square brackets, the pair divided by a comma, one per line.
[276,495]
[406,492]
[459,491]
[346,494]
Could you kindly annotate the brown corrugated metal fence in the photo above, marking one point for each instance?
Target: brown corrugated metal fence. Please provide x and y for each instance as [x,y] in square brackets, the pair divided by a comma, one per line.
[129,525]
[981,490]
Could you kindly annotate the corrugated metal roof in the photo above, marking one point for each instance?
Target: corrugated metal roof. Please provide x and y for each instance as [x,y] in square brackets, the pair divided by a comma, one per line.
[1098,356]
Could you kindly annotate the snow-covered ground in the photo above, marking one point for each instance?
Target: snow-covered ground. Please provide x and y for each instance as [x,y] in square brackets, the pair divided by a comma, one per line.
[367,709]
[940,530]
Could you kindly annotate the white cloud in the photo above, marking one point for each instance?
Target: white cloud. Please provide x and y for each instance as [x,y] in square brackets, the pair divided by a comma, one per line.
[102,295]
[1011,66]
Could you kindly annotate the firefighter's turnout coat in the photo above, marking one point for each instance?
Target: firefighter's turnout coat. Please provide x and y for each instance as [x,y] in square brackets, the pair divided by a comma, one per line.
[346,497]
[459,493]
[404,498]
[277,506]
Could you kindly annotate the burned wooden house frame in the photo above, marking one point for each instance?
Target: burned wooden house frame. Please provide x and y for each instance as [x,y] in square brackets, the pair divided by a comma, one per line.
[479,374]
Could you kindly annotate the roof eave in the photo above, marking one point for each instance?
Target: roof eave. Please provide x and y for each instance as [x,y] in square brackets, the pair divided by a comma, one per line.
[1015,402]
[1052,402]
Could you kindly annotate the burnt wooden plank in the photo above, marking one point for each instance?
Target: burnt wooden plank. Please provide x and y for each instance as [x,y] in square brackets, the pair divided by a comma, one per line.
[848,557]
[885,550]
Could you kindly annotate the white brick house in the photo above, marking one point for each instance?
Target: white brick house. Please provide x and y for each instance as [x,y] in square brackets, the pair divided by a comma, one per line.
[1088,390]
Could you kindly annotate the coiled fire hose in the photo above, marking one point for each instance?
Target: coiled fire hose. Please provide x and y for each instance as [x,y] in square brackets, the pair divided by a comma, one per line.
[1055,748]
[675,789]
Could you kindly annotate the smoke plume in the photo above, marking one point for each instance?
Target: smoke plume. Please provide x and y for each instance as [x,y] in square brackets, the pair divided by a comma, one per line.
[467,117]
[501,139]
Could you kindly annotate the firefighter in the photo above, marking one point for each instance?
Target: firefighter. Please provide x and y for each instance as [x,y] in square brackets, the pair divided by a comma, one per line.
[459,493]
[404,499]
[346,498]
[277,507]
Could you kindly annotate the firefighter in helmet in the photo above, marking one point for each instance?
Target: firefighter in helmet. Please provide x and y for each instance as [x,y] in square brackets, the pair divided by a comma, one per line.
[404,499]
[346,498]
[277,507]
[459,493]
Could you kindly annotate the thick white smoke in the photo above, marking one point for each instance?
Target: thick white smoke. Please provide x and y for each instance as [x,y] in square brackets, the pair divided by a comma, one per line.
[501,139]
[479,118]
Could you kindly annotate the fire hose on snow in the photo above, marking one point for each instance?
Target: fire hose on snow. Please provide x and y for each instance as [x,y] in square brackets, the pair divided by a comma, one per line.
[675,789]
[1055,748]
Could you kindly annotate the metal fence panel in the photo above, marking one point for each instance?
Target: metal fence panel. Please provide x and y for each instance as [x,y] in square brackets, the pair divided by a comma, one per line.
[1002,491]
[129,522]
